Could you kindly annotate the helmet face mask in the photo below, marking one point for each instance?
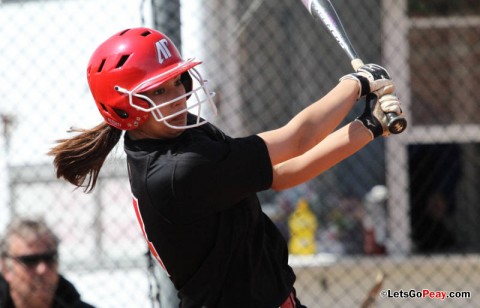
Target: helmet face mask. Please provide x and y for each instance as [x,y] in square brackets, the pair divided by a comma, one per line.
[134,61]
[200,95]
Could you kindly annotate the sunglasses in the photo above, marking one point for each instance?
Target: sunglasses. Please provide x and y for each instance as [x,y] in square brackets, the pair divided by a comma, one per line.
[33,260]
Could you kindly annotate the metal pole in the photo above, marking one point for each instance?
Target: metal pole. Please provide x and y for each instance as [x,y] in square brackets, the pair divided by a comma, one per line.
[166,19]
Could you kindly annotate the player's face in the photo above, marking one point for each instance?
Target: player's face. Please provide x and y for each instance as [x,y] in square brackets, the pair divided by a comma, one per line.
[31,270]
[167,91]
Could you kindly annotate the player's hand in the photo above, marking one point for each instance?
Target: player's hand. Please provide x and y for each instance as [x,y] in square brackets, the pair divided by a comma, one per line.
[371,78]
[373,116]
[390,103]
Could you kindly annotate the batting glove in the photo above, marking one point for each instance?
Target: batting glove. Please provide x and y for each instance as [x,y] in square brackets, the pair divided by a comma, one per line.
[371,78]
[373,116]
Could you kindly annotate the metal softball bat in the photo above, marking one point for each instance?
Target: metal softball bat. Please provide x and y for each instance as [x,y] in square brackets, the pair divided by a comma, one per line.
[323,11]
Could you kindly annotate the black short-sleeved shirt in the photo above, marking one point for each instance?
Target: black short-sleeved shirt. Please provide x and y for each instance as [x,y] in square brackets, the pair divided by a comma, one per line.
[195,197]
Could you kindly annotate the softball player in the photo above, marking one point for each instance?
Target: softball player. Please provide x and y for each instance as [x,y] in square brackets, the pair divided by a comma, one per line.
[194,188]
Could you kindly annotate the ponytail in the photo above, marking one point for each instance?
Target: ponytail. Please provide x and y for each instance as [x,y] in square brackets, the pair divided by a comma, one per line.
[80,158]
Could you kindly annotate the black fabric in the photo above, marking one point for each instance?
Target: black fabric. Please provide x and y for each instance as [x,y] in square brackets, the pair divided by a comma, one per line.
[66,295]
[364,82]
[375,71]
[368,119]
[197,203]
[5,299]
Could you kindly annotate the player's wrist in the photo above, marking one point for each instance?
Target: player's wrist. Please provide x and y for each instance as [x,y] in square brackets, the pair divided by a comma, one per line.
[373,117]
[360,83]
[374,129]
[360,126]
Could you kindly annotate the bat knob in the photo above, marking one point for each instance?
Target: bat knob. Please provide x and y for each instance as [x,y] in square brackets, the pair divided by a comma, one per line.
[395,124]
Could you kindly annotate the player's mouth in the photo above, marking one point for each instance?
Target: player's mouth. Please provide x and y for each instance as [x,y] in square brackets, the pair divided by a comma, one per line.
[179,120]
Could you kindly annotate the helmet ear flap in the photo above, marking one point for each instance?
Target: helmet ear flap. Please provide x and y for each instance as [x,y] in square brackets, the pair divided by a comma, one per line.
[121,113]
[187,82]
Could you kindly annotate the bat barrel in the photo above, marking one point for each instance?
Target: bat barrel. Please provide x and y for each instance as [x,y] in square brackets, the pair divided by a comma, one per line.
[323,10]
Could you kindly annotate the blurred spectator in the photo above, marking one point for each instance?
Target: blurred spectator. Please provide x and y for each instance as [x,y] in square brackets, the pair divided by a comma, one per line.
[29,266]
[375,224]
[435,172]
[435,233]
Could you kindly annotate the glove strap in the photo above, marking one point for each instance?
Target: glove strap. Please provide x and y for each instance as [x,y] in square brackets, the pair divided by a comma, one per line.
[368,119]
[364,82]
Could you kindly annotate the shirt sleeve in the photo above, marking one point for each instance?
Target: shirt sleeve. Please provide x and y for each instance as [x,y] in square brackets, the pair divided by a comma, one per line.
[216,175]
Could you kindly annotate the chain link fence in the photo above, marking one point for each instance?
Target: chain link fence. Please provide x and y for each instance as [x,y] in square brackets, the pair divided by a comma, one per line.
[404,209]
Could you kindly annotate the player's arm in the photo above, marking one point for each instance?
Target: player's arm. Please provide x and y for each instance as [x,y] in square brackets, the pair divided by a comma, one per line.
[334,148]
[312,124]
[318,120]
[338,145]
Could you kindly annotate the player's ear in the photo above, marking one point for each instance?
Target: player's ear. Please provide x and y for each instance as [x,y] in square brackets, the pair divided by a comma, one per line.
[187,81]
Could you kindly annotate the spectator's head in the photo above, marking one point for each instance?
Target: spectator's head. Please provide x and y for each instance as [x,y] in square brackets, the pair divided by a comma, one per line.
[29,262]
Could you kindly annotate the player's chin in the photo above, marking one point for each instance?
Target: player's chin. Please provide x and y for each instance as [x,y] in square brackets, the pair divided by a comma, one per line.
[175,124]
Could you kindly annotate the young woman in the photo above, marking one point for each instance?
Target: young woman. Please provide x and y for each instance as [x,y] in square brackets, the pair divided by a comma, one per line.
[194,188]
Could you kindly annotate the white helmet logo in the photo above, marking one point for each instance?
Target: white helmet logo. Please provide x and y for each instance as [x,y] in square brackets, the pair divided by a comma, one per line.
[162,50]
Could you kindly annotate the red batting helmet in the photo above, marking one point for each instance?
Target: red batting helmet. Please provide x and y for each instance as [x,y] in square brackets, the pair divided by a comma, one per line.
[133,61]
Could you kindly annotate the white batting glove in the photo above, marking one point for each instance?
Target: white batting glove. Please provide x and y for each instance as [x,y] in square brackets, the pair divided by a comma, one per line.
[371,78]
[390,103]
[373,116]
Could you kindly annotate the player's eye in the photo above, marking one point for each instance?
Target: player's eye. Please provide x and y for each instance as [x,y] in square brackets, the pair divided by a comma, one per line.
[178,82]
[159,91]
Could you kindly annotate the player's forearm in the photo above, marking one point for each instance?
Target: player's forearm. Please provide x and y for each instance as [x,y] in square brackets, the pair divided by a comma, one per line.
[332,150]
[318,120]
[311,125]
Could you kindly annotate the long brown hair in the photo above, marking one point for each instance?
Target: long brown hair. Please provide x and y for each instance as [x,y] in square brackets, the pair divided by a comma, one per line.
[80,158]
